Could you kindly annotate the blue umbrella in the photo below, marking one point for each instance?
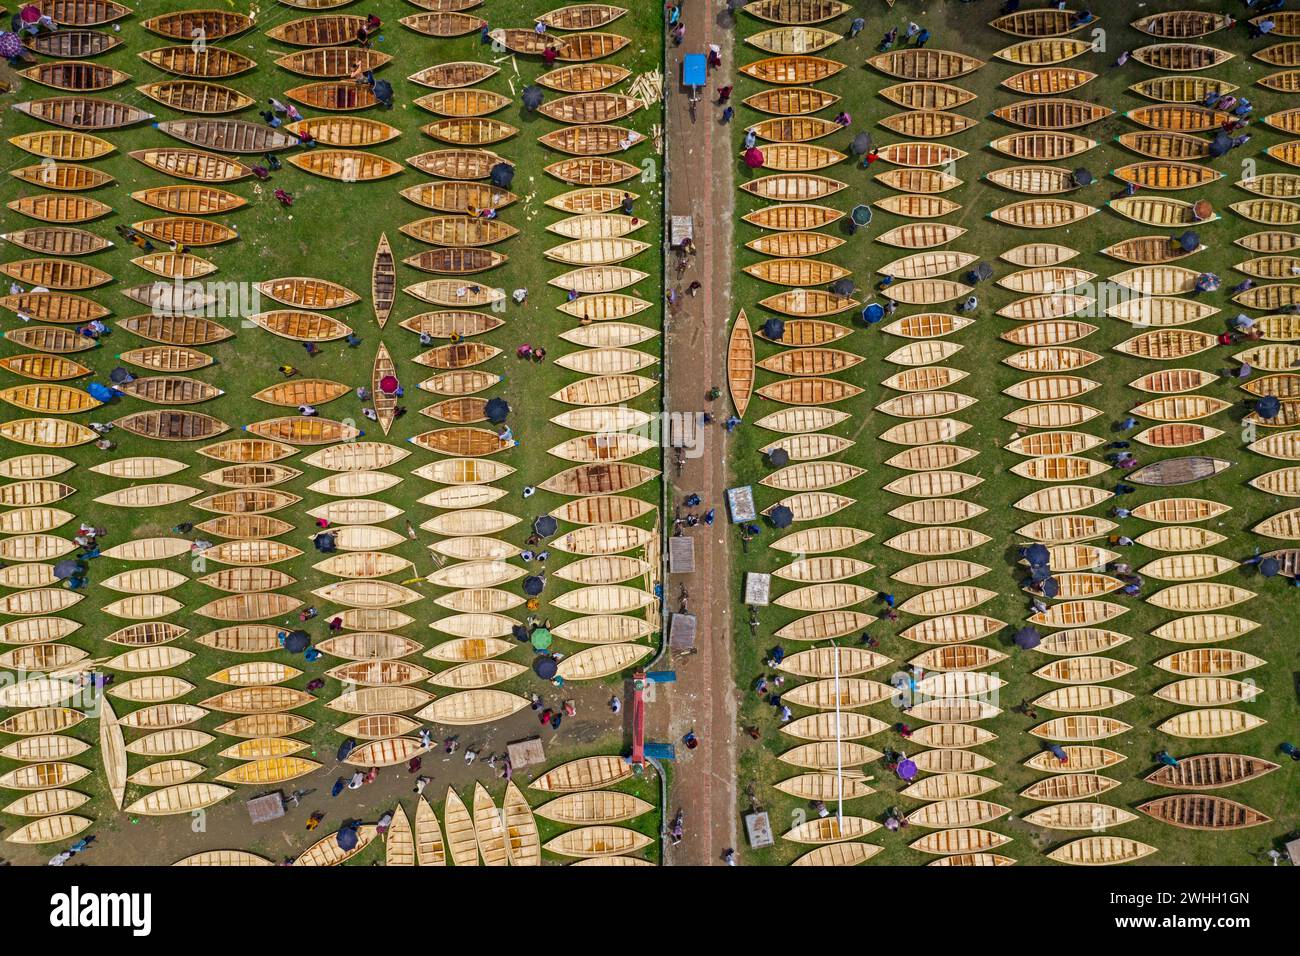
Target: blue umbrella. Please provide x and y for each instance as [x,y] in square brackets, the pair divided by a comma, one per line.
[534,585]
[1027,638]
[347,838]
[781,516]
[1051,587]
[496,410]
[1268,407]
[545,526]
[502,175]
[873,313]
[1037,554]
[346,748]
[774,329]
[297,641]
[1269,567]
[1038,573]
[1189,241]
[545,666]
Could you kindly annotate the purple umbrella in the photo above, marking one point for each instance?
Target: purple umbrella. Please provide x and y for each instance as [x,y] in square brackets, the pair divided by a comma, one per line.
[753,157]
[1027,638]
[907,770]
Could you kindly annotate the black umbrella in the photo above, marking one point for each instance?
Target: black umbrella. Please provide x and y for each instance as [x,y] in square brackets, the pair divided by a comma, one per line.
[1051,587]
[520,633]
[781,516]
[496,410]
[502,175]
[533,97]
[1082,177]
[67,568]
[533,584]
[383,91]
[324,542]
[1269,567]
[295,642]
[119,375]
[346,748]
[1268,407]
[843,287]
[545,526]
[773,329]
[1189,241]
[1037,554]
[545,666]
[1028,638]
[1038,573]
[347,838]
[778,458]
[861,144]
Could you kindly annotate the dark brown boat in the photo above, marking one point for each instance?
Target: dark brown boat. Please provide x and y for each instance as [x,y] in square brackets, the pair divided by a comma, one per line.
[82,13]
[1201,811]
[1178,471]
[74,44]
[75,76]
[455,261]
[167,425]
[1211,771]
[333,29]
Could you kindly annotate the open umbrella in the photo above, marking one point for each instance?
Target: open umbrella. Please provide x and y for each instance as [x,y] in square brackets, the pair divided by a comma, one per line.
[533,97]
[534,585]
[347,838]
[66,568]
[1269,567]
[753,157]
[502,175]
[778,458]
[545,666]
[1189,241]
[1037,554]
[781,516]
[1202,210]
[1051,587]
[545,526]
[861,144]
[1027,638]
[1268,406]
[1039,573]
[1081,177]
[346,748]
[496,410]
[296,642]
[119,375]
[388,384]
[907,770]
[324,542]
[842,287]
[773,329]
[541,639]
[873,313]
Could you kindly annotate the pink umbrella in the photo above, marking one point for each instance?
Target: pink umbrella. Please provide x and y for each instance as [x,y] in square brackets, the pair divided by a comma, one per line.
[30,13]
[753,157]
[388,384]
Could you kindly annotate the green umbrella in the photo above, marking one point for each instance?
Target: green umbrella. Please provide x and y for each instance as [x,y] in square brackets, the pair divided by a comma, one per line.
[541,639]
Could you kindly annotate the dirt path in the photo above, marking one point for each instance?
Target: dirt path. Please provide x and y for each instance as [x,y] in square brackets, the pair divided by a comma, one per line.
[700,184]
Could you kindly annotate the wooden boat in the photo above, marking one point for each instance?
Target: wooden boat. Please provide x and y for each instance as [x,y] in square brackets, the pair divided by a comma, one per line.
[1210,723]
[1211,771]
[1182,24]
[443,23]
[83,112]
[228,135]
[1203,812]
[208,62]
[328,30]
[211,24]
[346,165]
[573,48]
[334,62]
[61,240]
[1101,851]
[72,43]
[60,208]
[74,76]
[1183,57]
[585,78]
[56,273]
[327,852]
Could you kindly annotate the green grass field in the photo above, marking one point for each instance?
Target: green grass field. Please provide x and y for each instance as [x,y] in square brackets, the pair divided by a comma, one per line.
[961,26]
[331,232]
